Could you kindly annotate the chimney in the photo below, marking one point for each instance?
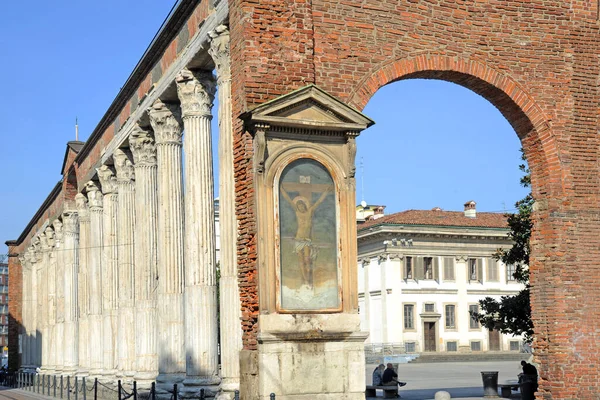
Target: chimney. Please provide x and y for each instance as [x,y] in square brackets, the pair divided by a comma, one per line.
[470,211]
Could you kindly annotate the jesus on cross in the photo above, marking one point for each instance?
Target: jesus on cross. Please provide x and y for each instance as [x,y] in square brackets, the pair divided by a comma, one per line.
[304,210]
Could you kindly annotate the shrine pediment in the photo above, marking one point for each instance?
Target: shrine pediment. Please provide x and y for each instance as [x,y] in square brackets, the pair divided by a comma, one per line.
[311,108]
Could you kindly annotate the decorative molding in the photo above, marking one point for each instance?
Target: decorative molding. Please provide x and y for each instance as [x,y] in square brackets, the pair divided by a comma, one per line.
[82,207]
[260,143]
[462,258]
[94,196]
[70,222]
[58,231]
[383,257]
[143,147]
[430,291]
[166,122]
[351,146]
[196,91]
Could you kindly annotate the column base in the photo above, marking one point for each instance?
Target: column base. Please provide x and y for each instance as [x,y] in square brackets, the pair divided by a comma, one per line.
[193,386]
[165,382]
[144,379]
[230,384]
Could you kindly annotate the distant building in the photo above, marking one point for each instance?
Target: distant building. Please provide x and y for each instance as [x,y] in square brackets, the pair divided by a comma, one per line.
[365,212]
[422,271]
[3,307]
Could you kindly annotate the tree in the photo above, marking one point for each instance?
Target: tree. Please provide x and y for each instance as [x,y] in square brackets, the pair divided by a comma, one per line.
[512,314]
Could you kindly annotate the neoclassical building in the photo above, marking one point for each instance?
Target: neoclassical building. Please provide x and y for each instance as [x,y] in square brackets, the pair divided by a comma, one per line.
[422,271]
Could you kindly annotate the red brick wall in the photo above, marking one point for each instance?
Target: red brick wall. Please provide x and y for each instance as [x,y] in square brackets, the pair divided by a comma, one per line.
[537,61]
[15,320]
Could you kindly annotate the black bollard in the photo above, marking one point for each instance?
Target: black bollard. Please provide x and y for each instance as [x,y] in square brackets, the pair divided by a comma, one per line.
[54,384]
[76,387]
[120,389]
[61,386]
[68,388]
[84,391]
[175,391]
[134,390]
[202,394]
[153,391]
[95,388]
[272,396]
[236,395]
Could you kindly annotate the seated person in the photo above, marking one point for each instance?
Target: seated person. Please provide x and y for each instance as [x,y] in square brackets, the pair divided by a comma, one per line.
[528,369]
[390,377]
[378,375]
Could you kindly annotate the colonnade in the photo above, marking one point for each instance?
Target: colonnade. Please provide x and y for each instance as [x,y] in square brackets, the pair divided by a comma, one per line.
[123,285]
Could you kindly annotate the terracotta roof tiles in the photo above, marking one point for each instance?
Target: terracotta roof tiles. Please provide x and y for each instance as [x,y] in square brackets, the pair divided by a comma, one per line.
[439,218]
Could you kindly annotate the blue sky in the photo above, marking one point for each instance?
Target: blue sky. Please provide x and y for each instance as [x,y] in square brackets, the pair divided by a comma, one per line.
[434,143]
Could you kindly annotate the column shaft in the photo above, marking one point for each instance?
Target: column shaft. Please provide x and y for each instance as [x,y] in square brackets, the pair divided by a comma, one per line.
[126,224]
[146,229]
[82,285]
[108,181]
[196,92]
[71,260]
[231,330]
[166,123]
[95,322]
[60,296]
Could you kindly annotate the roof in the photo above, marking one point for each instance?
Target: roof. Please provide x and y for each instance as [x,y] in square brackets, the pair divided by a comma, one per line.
[440,218]
[74,145]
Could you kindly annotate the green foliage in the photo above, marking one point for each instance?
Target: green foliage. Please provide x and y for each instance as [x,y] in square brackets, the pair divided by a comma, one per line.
[512,314]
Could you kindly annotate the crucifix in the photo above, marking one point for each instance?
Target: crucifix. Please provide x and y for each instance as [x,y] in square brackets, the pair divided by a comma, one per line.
[304,209]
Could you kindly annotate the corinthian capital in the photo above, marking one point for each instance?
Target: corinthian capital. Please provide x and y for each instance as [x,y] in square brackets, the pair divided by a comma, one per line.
[49,238]
[166,123]
[108,180]
[94,195]
[196,91]
[219,51]
[124,167]
[58,231]
[70,222]
[82,206]
[143,147]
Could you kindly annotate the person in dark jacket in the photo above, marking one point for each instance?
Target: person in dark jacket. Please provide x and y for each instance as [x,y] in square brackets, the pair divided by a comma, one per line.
[528,369]
[390,377]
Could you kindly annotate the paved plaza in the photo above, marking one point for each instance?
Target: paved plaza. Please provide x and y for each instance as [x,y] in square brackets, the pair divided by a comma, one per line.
[461,379]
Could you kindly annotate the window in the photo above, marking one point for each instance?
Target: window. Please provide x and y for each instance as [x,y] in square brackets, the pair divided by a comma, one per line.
[475,269]
[408,268]
[510,272]
[410,347]
[515,345]
[492,270]
[448,268]
[473,323]
[409,317]
[429,307]
[451,346]
[428,268]
[476,345]
[450,316]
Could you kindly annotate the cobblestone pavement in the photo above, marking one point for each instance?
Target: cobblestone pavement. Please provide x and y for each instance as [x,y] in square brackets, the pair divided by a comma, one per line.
[17,394]
[461,379]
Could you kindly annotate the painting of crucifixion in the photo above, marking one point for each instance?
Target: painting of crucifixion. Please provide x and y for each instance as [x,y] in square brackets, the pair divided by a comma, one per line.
[308,234]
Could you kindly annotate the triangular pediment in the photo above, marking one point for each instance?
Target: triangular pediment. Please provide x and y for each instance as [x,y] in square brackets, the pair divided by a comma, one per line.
[309,107]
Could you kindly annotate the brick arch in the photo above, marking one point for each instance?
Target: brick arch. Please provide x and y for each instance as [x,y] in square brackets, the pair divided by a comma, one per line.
[512,100]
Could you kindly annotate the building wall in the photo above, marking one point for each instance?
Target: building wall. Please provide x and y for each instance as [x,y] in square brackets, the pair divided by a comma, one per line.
[382,271]
[4,308]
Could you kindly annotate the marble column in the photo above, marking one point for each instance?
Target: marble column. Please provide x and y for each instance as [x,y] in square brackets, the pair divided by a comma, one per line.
[125,239]
[231,329]
[196,91]
[108,181]
[143,148]
[82,285]
[50,279]
[59,283]
[71,260]
[95,321]
[167,126]
[42,286]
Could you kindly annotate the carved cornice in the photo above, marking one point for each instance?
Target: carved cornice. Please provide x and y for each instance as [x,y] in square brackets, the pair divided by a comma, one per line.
[196,91]
[124,167]
[143,147]
[383,257]
[108,180]
[461,258]
[166,122]
[94,196]
[58,231]
[49,239]
[219,51]
[70,222]
[82,207]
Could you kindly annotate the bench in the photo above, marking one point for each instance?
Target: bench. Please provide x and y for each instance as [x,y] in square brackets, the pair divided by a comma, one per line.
[507,386]
[389,392]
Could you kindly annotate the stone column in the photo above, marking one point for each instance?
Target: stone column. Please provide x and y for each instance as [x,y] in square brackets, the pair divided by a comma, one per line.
[196,92]
[125,239]
[71,261]
[95,322]
[143,148]
[231,330]
[42,287]
[50,276]
[167,126]
[59,282]
[82,284]
[108,180]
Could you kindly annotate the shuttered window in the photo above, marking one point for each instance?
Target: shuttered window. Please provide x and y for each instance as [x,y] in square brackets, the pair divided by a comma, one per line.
[475,269]
[409,322]
[473,323]
[408,268]
[492,270]
[449,268]
[450,316]
[427,268]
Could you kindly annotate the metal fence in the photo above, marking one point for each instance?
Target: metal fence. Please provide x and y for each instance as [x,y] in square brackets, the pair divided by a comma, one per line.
[74,388]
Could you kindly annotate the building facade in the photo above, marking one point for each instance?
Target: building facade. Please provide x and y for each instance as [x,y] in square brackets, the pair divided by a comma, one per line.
[422,271]
[4,308]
